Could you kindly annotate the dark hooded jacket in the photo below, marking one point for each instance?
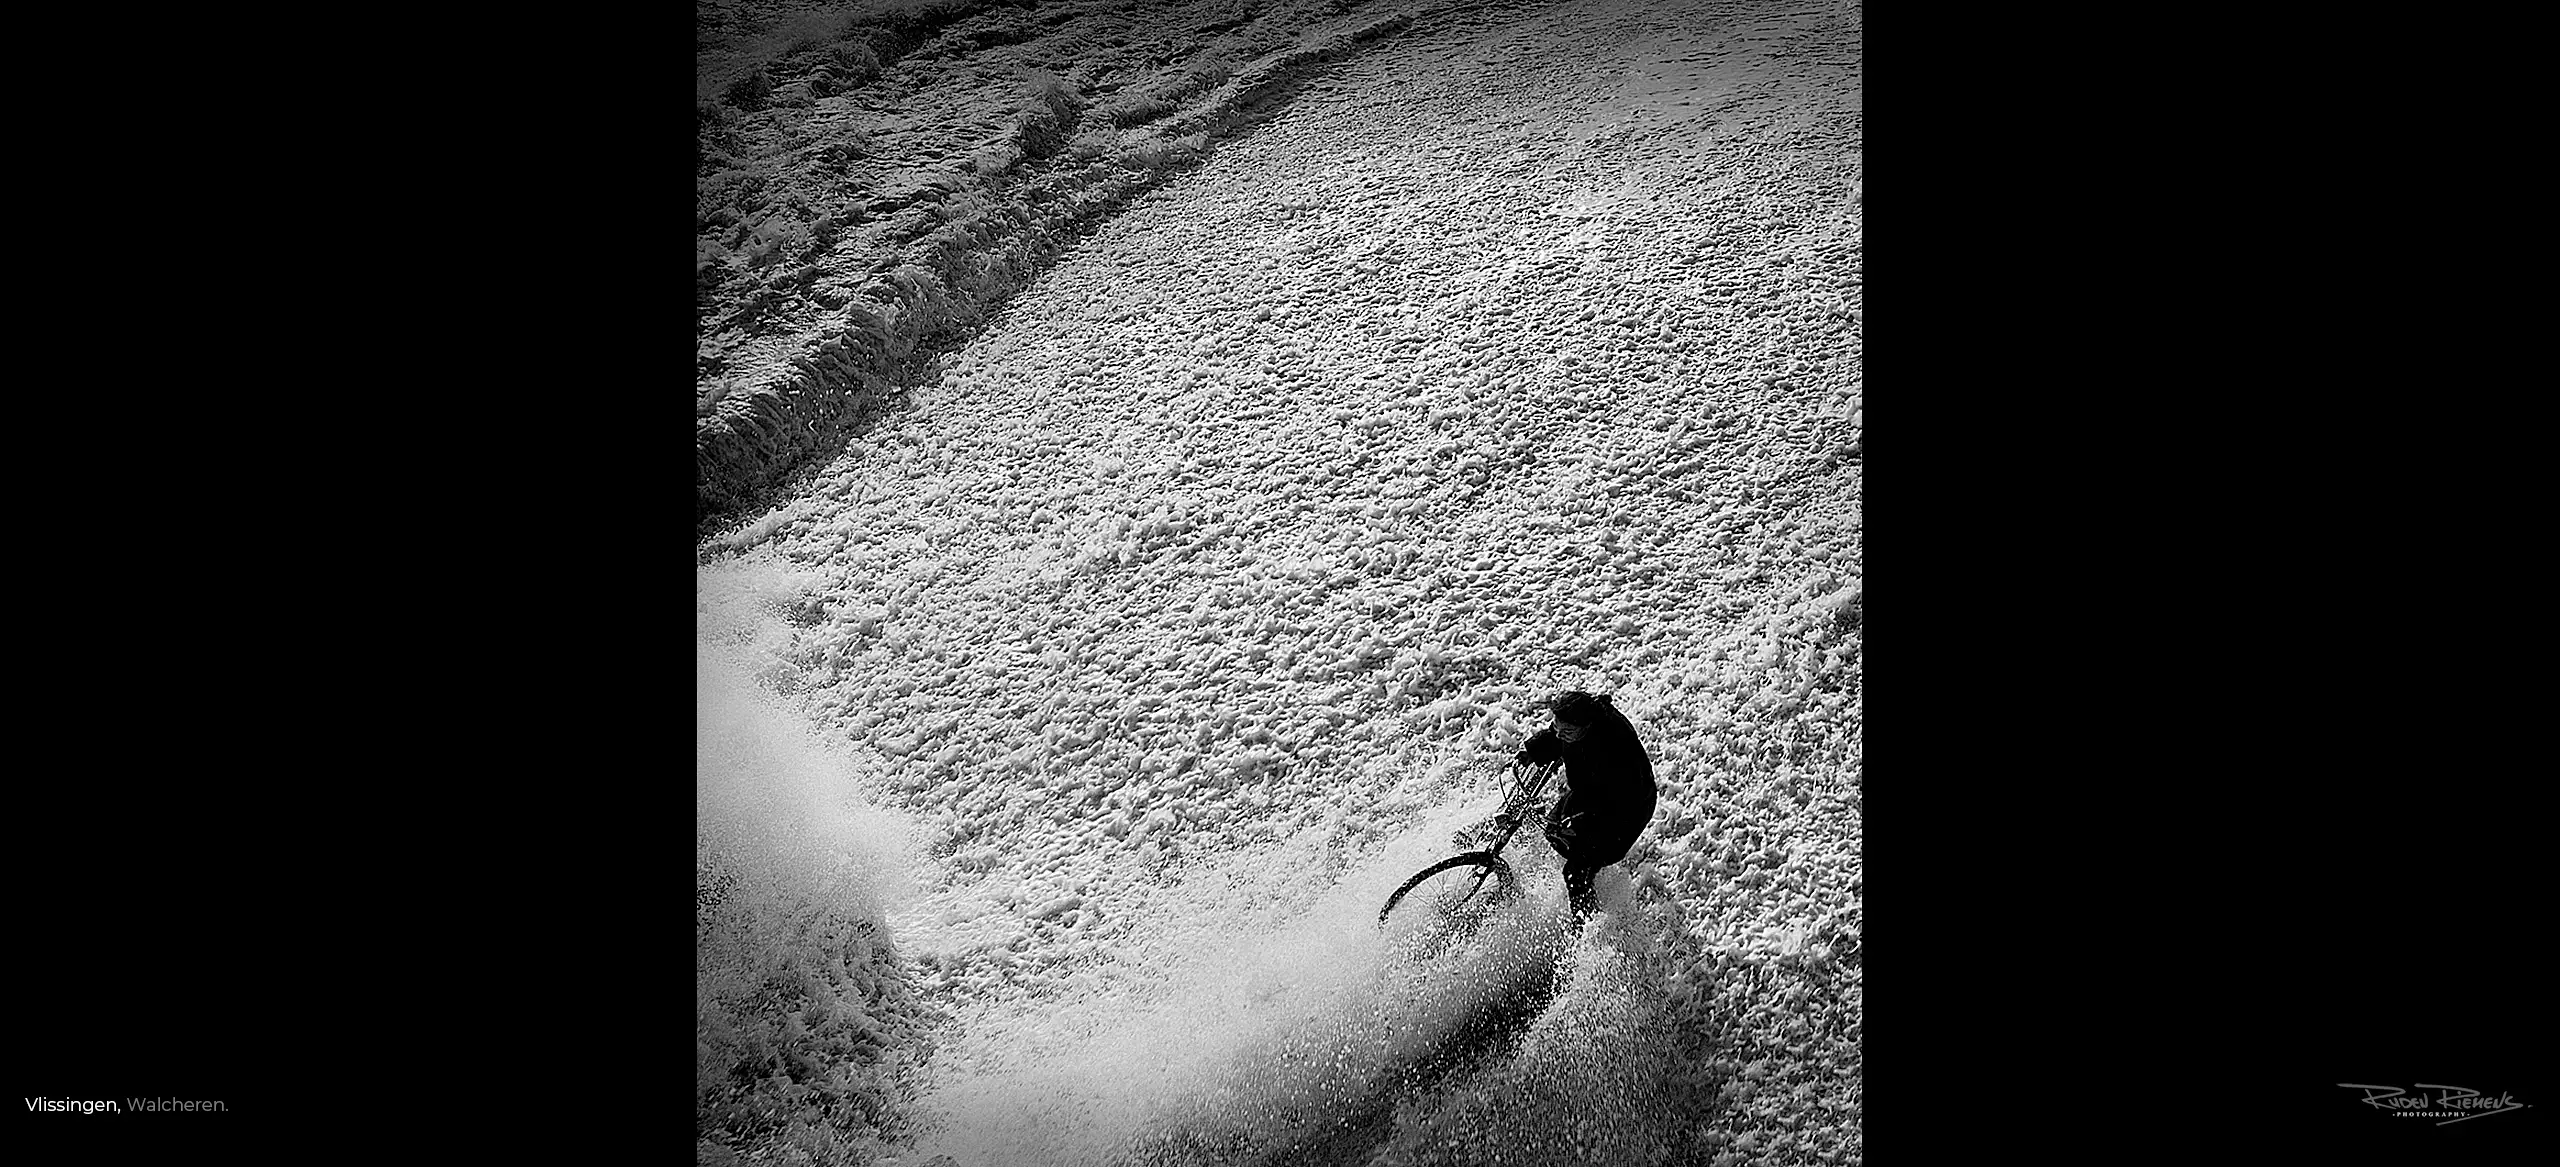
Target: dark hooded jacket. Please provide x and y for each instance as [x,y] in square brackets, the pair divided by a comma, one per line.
[1608,795]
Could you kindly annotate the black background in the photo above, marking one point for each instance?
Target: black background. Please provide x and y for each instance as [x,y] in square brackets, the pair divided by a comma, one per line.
[2201,781]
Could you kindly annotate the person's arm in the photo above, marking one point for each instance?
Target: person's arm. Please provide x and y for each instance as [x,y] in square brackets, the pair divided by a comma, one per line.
[1563,818]
[1542,747]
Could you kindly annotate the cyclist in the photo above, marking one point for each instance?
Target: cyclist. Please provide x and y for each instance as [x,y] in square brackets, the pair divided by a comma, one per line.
[1608,795]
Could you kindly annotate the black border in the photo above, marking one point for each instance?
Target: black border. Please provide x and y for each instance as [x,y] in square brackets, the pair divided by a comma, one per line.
[2181,816]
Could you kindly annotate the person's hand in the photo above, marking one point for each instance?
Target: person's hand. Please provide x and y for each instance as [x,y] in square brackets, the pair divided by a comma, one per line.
[1541,748]
[1505,822]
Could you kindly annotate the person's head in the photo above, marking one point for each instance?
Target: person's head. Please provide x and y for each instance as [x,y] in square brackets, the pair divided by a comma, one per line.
[1576,712]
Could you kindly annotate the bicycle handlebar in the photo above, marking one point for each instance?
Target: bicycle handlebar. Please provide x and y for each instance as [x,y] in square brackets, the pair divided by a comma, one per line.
[1528,783]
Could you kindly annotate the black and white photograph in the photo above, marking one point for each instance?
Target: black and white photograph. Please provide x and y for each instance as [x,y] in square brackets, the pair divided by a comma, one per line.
[1278,582]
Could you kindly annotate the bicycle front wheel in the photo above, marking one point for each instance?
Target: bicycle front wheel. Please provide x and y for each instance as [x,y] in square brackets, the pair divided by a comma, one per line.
[1455,886]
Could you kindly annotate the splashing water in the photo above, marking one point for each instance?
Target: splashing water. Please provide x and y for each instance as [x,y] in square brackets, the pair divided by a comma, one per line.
[801,1014]
[1328,1038]
[772,802]
[1255,1012]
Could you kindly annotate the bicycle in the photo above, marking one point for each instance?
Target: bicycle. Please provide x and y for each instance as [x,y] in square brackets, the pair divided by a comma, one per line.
[1457,879]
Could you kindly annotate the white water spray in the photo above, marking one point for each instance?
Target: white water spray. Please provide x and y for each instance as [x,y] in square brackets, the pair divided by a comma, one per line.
[802,1012]
[1252,1012]
[1241,1032]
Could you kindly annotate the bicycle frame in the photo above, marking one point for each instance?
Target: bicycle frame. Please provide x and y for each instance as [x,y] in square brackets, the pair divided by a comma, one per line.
[1518,807]
[1524,796]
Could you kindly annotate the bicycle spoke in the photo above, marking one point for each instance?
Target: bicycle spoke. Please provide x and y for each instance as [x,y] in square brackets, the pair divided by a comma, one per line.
[1462,886]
